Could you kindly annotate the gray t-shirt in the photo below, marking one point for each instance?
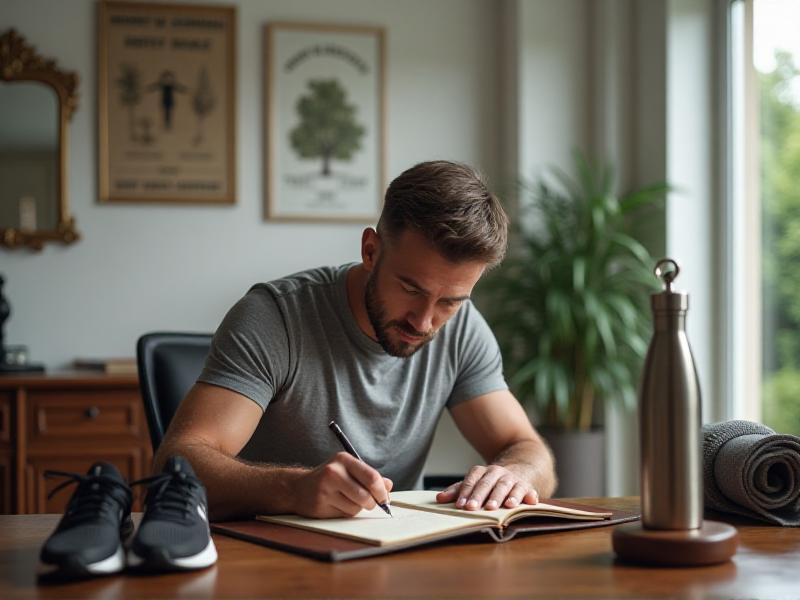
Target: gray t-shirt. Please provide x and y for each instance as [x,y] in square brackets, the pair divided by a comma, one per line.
[294,347]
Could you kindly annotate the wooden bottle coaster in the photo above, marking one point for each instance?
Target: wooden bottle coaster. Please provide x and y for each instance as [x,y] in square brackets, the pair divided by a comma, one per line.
[712,543]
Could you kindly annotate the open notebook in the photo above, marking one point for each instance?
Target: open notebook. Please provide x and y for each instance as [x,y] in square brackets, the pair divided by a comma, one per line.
[418,519]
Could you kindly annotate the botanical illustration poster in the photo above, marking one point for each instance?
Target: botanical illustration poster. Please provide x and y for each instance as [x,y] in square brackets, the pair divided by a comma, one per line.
[166,81]
[325,122]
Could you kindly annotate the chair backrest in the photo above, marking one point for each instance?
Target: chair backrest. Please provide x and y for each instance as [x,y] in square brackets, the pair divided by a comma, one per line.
[169,364]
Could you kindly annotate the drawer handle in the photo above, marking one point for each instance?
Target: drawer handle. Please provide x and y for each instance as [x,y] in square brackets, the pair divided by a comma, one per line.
[92,412]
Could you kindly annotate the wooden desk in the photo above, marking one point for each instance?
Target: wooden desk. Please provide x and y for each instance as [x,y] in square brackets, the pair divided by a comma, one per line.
[577,564]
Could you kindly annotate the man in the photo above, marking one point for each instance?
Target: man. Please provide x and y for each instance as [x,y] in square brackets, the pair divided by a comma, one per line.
[382,347]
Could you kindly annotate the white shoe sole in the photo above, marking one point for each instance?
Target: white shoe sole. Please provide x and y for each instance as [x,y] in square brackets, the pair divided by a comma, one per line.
[204,558]
[113,564]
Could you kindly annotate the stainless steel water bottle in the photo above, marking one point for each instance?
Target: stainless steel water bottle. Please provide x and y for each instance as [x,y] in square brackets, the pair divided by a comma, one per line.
[669,420]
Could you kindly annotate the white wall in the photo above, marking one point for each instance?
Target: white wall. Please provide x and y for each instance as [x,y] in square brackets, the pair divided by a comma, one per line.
[545,74]
[552,83]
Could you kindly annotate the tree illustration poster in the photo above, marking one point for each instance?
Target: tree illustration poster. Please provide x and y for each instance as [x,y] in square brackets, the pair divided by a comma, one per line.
[166,103]
[324,122]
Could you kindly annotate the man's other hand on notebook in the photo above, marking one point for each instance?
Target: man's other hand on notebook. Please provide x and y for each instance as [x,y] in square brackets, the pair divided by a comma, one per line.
[489,488]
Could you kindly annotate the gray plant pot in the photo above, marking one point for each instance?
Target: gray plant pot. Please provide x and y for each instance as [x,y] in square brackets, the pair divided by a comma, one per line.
[580,462]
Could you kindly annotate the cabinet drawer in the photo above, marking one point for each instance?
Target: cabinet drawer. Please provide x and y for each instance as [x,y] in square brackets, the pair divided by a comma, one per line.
[81,414]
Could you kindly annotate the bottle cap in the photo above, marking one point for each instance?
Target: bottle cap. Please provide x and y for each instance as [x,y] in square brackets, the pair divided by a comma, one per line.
[668,300]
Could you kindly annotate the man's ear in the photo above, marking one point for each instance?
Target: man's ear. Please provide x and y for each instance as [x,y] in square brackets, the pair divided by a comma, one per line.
[370,248]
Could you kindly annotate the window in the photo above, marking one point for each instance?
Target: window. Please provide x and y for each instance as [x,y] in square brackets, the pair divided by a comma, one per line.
[764,184]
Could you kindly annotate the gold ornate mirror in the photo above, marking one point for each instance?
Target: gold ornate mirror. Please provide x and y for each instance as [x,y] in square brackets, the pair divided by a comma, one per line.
[36,102]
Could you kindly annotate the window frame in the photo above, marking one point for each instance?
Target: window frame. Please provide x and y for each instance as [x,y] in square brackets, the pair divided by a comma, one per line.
[742,251]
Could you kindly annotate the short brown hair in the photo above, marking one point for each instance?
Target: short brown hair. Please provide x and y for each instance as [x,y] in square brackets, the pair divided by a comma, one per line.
[451,206]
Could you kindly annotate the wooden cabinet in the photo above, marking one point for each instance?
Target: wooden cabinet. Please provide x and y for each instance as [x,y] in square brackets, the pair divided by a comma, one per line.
[66,422]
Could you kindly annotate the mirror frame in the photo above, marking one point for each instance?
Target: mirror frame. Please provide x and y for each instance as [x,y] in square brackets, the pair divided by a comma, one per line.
[20,62]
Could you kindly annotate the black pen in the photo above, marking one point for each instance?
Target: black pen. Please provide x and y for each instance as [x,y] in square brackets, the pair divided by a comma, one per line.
[352,452]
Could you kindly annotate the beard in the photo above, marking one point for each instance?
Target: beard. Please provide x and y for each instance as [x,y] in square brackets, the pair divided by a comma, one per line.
[376,311]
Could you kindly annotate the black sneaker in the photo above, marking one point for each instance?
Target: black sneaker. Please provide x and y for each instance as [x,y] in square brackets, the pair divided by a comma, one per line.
[89,537]
[174,532]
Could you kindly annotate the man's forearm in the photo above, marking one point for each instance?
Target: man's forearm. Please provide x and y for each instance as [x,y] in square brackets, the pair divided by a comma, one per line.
[531,461]
[235,488]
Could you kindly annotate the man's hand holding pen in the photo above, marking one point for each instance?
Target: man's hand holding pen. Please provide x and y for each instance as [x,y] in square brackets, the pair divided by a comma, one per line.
[340,487]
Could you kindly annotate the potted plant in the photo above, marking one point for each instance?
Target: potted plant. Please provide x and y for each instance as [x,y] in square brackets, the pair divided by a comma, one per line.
[570,309]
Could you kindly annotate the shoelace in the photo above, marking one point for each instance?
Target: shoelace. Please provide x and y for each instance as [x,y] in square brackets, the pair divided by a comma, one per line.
[93,496]
[171,495]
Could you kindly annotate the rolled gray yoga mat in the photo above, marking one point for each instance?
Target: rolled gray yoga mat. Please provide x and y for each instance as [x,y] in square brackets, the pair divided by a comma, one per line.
[750,470]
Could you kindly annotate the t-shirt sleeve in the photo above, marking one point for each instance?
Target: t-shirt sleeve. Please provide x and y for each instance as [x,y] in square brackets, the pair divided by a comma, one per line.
[479,363]
[250,349]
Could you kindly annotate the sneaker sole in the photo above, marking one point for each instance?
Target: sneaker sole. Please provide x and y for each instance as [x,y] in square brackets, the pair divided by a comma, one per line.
[113,564]
[204,558]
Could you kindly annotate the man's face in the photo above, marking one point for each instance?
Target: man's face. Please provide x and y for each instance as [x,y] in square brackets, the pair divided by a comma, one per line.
[412,291]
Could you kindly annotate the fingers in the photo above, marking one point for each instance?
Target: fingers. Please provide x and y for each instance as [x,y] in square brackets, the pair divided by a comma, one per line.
[368,478]
[489,488]
[521,493]
[340,487]
[364,485]
[498,495]
[476,487]
[449,494]
[341,503]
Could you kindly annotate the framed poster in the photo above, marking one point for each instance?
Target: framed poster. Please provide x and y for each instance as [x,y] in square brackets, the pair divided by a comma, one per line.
[325,132]
[166,102]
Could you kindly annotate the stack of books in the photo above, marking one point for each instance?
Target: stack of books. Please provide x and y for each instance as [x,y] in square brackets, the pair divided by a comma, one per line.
[111,366]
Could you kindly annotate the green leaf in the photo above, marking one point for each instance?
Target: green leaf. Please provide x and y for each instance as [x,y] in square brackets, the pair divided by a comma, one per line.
[634,247]
[568,184]
[612,206]
[598,218]
[647,195]
[629,399]
[637,343]
[544,384]
[579,273]
[625,309]
[558,313]
[561,389]
[602,380]
[596,311]
[525,373]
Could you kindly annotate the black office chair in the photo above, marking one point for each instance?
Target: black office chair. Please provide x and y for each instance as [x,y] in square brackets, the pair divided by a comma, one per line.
[169,364]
